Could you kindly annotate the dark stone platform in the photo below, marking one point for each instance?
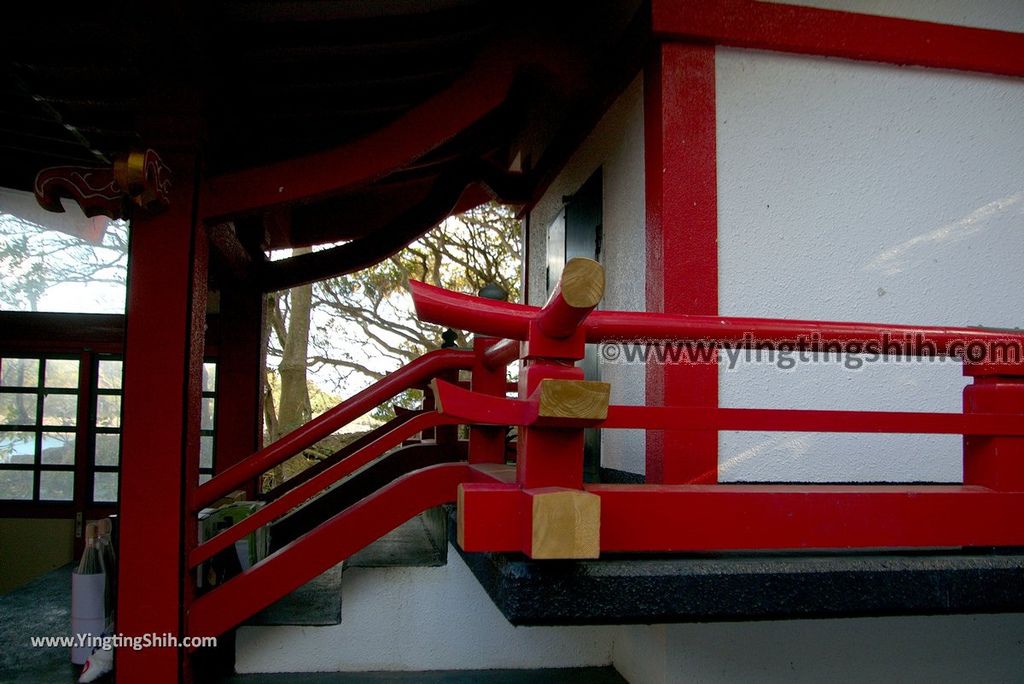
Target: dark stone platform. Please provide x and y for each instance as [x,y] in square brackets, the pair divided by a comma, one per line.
[647,589]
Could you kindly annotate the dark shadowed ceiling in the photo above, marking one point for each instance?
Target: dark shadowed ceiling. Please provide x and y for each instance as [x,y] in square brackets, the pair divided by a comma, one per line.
[260,82]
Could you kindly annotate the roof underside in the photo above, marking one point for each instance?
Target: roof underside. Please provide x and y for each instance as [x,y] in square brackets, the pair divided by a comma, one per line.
[276,80]
[264,82]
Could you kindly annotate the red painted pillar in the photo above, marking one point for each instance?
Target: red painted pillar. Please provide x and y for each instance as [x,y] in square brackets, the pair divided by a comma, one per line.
[240,373]
[160,437]
[682,243]
[994,462]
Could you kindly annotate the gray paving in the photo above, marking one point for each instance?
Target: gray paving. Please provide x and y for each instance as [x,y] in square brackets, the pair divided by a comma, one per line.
[40,608]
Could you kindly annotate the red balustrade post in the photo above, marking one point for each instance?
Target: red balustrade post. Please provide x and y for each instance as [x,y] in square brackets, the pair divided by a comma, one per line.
[556,340]
[545,456]
[996,462]
[486,442]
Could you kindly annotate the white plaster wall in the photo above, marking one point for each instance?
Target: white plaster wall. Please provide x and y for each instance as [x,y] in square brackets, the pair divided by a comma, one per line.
[957,648]
[855,191]
[859,191]
[418,619]
[616,145]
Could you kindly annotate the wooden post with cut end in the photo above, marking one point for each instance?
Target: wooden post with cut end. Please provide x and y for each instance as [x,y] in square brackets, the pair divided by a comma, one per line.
[564,523]
[575,400]
[577,293]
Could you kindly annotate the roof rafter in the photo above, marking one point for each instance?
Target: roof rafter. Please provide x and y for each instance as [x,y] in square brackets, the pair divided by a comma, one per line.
[481,90]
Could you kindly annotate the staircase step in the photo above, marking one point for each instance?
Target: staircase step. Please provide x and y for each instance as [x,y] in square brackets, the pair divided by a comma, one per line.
[422,542]
[318,603]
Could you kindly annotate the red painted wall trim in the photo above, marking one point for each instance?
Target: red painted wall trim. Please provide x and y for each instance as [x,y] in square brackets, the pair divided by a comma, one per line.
[808,30]
[682,242]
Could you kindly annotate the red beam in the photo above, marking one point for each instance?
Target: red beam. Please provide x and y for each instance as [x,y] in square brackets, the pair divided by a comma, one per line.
[466,312]
[491,517]
[314,485]
[724,517]
[417,372]
[481,90]
[808,30]
[991,460]
[487,443]
[500,354]
[577,293]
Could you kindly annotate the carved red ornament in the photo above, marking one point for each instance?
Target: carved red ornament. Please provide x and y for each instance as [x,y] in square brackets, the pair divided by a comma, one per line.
[139,177]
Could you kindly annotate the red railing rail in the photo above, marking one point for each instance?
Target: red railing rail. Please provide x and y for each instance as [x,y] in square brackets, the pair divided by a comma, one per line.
[417,372]
[315,484]
[549,512]
[512,321]
[339,455]
[468,407]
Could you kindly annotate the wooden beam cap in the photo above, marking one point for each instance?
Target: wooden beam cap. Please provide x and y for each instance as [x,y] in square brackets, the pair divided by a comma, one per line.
[583,399]
[566,523]
[582,283]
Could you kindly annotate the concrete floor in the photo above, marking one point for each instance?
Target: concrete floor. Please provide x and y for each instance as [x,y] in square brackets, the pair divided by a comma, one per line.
[579,675]
[40,608]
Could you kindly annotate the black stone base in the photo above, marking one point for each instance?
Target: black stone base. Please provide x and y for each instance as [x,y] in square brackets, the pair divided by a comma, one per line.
[690,588]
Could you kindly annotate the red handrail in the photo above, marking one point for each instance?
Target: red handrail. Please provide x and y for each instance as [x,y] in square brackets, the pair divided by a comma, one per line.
[315,484]
[312,554]
[416,372]
[469,407]
[506,320]
[339,455]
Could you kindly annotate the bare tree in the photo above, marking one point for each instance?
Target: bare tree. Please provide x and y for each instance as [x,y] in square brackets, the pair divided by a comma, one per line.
[361,326]
[34,259]
[371,308]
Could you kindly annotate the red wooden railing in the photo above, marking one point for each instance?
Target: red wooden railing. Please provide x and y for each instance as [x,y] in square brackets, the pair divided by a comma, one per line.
[418,372]
[507,320]
[544,509]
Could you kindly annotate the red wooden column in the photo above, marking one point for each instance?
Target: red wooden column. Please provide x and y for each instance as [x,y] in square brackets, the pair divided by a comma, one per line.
[682,243]
[239,374]
[160,435]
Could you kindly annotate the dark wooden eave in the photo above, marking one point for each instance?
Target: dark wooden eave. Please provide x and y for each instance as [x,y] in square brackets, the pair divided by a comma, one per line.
[319,122]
